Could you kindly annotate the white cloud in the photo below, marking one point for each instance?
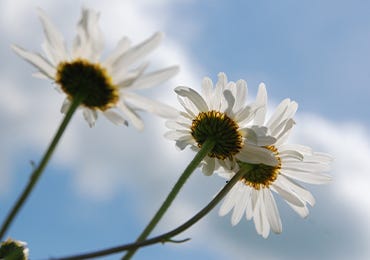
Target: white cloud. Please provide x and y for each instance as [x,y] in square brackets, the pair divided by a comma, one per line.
[349,143]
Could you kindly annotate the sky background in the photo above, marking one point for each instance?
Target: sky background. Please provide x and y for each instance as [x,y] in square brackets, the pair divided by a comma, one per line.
[105,183]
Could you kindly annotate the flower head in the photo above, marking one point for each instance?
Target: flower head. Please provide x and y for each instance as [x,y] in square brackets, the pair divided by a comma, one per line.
[107,85]
[221,114]
[13,249]
[252,194]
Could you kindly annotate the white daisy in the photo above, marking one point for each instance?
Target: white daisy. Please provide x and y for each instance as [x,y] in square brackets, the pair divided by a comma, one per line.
[220,113]
[252,195]
[106,85]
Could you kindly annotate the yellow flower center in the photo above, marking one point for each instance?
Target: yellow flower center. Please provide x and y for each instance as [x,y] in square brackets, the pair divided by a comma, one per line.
[12,249]
[262,176]
[89,79]
[220,128]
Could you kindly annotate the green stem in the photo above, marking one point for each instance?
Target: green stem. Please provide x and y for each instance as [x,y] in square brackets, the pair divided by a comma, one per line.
[167,236]
[206,148]
[39,170]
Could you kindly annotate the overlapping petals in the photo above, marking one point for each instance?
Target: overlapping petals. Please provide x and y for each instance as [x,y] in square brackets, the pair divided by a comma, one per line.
[298,163]
[228,98]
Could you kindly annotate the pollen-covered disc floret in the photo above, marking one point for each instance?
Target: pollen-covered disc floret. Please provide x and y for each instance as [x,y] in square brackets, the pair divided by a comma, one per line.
[90,80]
[221,128]
[252,196]
[103,85]
[220,114]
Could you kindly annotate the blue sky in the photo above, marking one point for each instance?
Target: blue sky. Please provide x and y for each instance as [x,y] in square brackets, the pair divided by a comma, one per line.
[102,187]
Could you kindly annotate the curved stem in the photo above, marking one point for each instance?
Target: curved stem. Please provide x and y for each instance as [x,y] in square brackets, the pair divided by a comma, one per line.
[39,170]
[206,148]
[166,236]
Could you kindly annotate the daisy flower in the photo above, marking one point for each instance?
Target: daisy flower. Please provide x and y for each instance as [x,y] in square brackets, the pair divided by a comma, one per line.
[107,86]
[220,113]
[252,196]
[14,249]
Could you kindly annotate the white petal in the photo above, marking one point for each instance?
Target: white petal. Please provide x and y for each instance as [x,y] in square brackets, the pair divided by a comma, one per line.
[278,114]
[301,211]
[240,205]
[36,60]
[208,166]
[207,90]
[95,34]
[88,42]
[221,82]
[229,165]
[216,103]
[122,46]
[249,209]
[298,189]
[229,201]
[293,107]
[138,51]
[260,104]
[313,178]
[244,115]
[134,118]
[230,100]
[175,135]
[272,212]
[287,194]
[90,116]
[65,106]
[282,128]
[257,217]
[254,154]
[296,147]
[260,218]
[254,197]
[316,157]
[225,173]
[290,154]
[185,141]
[125,79]
[241,93]
[155,78]
[282,139]
[258,136]
[177,125]
[150,105]
[191,110]
[115,117]
[40,75]
[194,97]
[54,45]
[250,135]
[303,166]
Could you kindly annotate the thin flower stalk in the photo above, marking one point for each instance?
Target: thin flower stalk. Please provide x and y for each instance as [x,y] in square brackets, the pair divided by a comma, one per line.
[206,148]
[36,174]
[166,237]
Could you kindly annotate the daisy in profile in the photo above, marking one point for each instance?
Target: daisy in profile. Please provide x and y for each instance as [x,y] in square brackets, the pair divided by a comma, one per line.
[252,196]
[14,249]
[106,86]
[221,114]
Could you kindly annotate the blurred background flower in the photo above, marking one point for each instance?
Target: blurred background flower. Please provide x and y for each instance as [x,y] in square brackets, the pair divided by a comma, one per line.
[102,187]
